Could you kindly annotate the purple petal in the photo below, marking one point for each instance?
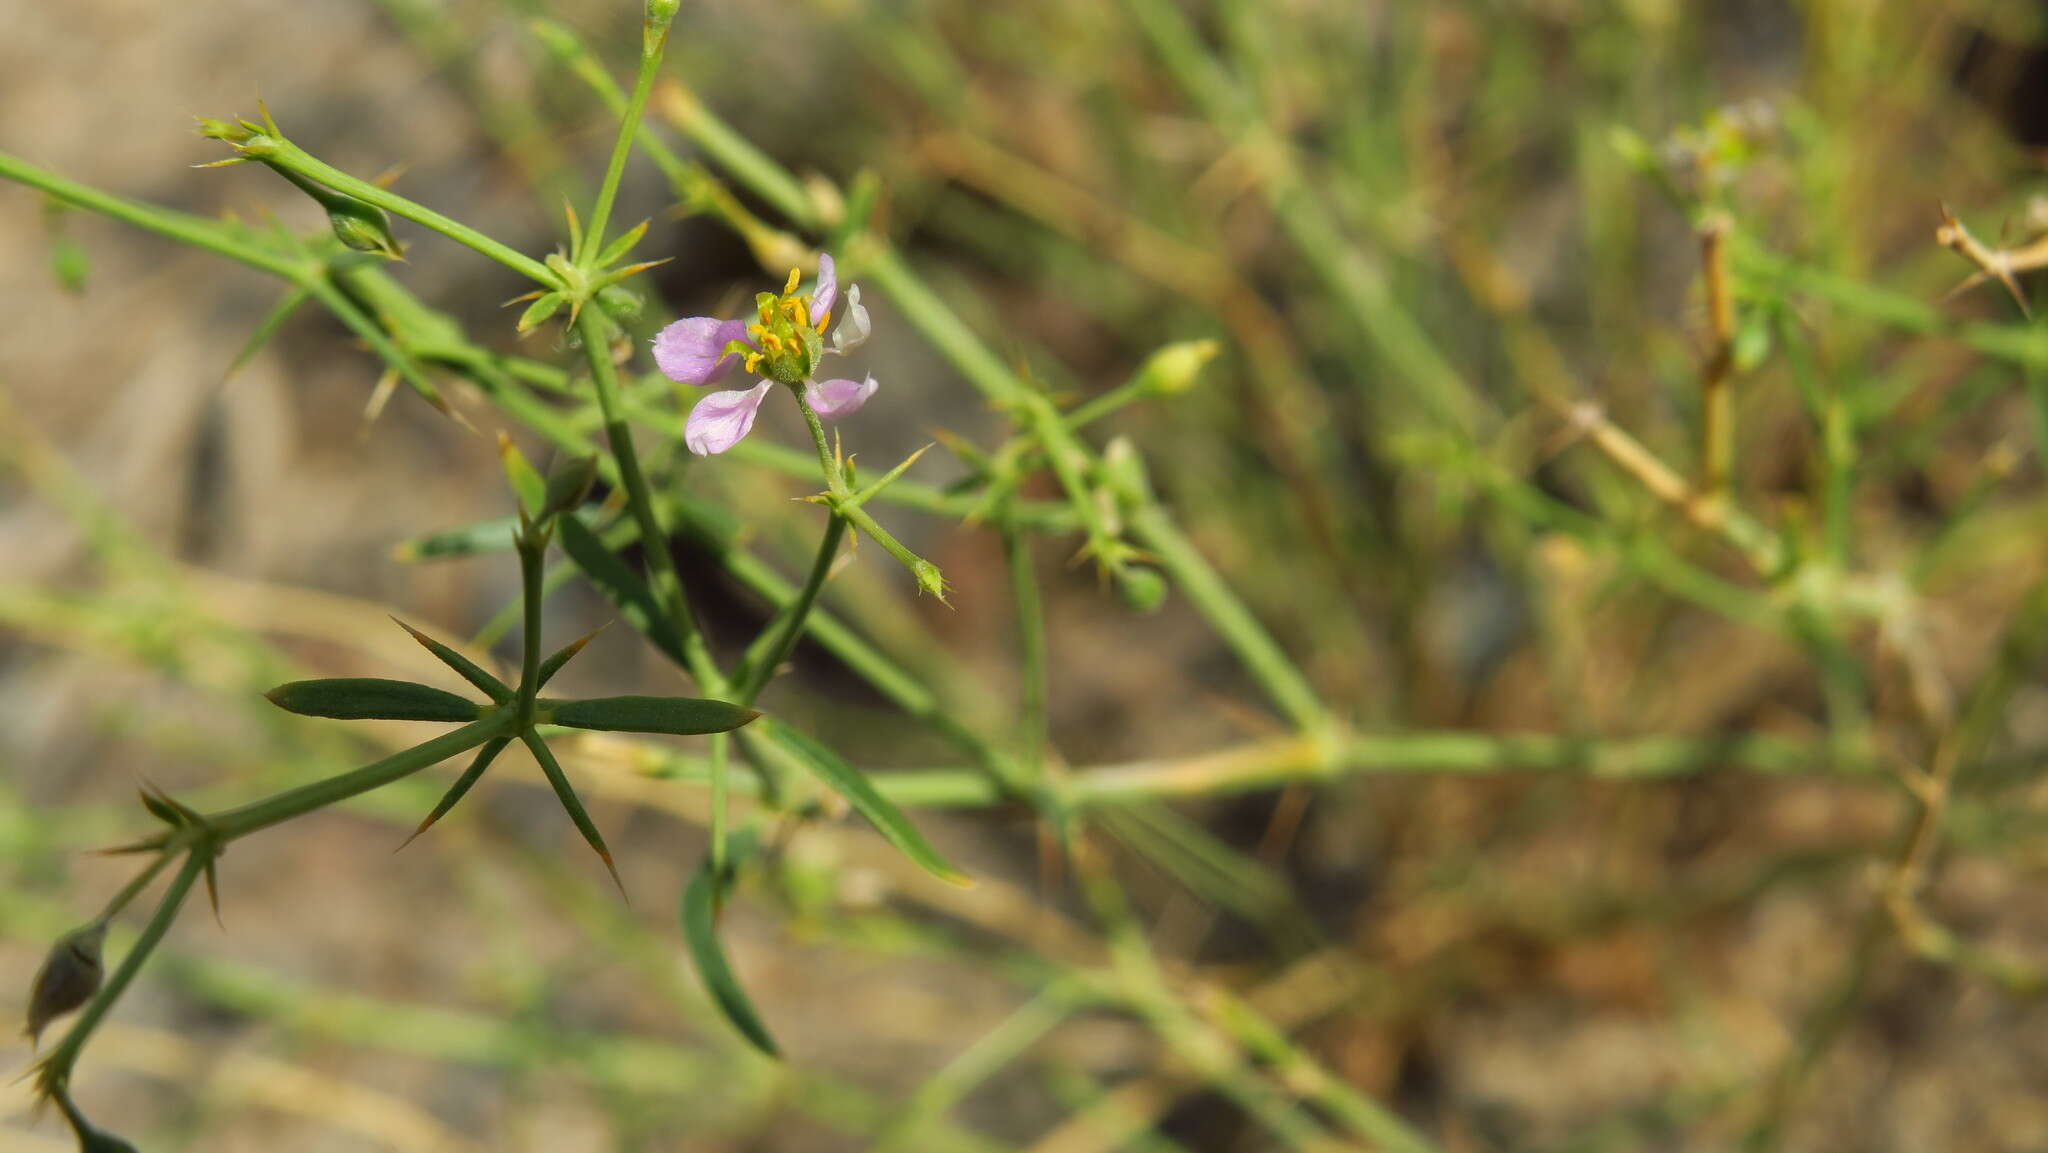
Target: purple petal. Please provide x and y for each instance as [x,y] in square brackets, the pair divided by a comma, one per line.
[692,351]
[826,294]
[833,399]
[723,419]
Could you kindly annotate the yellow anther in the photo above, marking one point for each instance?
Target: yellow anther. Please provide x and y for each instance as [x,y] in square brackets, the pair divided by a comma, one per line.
[757,331]
[795,274]
[798,310]
[753,362]
[824,318]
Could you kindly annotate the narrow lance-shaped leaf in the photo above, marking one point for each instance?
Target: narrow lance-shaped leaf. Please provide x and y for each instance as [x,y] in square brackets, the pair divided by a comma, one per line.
[684,716]
[491,686]
[850,783]
[621,585]
[701,900]
[573,805]
[372,698]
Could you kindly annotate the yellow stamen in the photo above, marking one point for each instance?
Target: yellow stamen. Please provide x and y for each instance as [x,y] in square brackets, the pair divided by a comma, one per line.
[824,318]
[753,362]
[757,331]
[798,311]
[795,274]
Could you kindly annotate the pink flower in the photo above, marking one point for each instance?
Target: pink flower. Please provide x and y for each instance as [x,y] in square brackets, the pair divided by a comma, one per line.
[786,344]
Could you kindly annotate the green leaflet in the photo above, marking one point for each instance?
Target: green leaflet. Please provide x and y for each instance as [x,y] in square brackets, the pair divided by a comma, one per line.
[701,900]
[372,698]
[684,716]
[854,785]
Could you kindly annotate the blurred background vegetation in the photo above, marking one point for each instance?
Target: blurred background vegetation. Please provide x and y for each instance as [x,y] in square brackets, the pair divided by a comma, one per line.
[1453,253]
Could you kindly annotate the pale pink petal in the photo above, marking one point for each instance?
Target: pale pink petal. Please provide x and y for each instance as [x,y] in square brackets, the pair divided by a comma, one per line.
[833,399]
[853,328]
[723,419]
[692,350]
[826,294]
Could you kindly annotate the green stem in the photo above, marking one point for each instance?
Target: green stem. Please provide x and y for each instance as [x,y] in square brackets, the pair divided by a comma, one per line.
[1218,605]
[653,41]
[284,153]
[531,596]
[185,228]
[846,506]
[257,815]
[57,1068]
[654,546]
[773,646]
[134,887]
[1031,721]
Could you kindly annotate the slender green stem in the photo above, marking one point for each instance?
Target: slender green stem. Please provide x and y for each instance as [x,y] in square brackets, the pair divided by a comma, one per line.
[844,505]
[245,819]
[185,228]
[1031,720]
[530,598]
[1262,656]
[721,786]
[654,547]
[773,646]
[134,887]
[653,41]
[282,152]
[57,1067]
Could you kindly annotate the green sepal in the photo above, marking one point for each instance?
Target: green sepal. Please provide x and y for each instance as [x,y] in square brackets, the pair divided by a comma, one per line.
[537,313]
[621,585]
[567,484]
[621,245]
[683,716]
[489,685]
[372,698]
[852,784]
[702,899]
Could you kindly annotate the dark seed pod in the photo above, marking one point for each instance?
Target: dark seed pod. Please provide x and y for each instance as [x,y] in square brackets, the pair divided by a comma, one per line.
[69,977]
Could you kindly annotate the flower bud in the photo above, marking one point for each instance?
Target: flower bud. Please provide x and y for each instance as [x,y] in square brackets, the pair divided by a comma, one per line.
[621,304]
[1142,589]
[69,977]
[1123,471]
[362,227]
[1173,369]
[567,484]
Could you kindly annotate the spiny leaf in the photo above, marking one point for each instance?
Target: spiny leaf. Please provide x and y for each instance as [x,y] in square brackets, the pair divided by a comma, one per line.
[701,901]
[371,698]
[484,756]
[850,783]
[489,685]
[684,716]
[621,585]
[539,311]
[567,795]
[565,654]
[213,888]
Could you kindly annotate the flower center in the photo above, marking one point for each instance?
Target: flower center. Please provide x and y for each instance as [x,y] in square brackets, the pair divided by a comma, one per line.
[786,341]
